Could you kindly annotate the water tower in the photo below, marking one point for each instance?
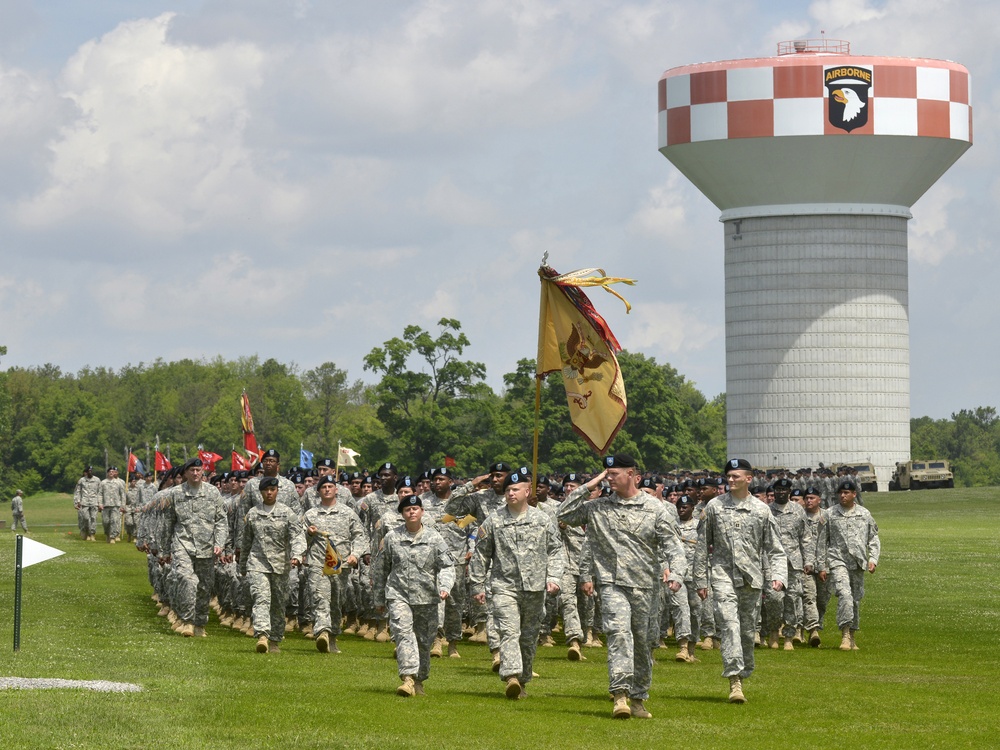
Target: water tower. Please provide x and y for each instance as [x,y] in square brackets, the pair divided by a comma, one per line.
[814,158]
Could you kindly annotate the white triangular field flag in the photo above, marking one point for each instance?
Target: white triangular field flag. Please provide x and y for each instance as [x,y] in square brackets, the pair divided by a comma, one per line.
[35,552]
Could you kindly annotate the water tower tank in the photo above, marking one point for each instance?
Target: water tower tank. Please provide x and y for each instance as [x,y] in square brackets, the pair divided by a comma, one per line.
[814,158]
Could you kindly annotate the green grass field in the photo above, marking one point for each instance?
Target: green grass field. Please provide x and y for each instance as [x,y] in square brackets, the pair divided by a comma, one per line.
[925,676]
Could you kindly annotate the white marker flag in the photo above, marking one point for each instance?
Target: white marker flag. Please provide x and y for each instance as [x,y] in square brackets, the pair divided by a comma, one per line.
[35,552]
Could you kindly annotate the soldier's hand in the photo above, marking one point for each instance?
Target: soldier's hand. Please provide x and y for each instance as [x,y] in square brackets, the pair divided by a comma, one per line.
[703,594]
[807,569]
[367,559]
[481,481]
[443,594]
[596,481]
[479,598]
[552,588]
[871,567]
[777,585]
[674,586]
[587,588]
[822,576]
[217,550]
[294,562]
[311,529]
[352,561]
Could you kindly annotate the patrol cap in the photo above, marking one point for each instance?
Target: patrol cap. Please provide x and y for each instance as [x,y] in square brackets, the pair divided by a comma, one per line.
[268,482]
[517,477]
[442,471]
[191,463]
[270,453]
[847,484]
[686,500]
[812,491]
[326,479]
[409,501]
[783,484]
[619,461]
[738,463]
[499,466]
[406,481]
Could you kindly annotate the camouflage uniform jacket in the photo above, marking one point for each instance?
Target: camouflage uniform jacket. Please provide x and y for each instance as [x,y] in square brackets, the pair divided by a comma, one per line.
[113,494]
[271,539]
[851,539]
[341,526]
[794,534]
[88,492]
[194,521]
[413,569]
[521,553]
[465,500]
[632,540]
[733,538]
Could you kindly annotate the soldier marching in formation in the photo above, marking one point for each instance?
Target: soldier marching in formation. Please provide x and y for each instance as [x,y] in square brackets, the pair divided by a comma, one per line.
[731,562]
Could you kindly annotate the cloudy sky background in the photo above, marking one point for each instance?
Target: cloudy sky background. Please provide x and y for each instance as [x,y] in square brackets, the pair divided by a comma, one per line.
[301,180]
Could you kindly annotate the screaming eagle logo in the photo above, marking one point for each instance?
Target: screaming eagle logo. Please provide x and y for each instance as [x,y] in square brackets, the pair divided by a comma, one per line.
[847,96]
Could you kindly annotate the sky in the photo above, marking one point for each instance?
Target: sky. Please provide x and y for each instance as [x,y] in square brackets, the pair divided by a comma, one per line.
[301,180]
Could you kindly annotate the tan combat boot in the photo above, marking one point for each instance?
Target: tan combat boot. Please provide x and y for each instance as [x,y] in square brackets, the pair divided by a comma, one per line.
[436,648]
[273,648]
[621,709]
[323,642]
[496,661]
[756,640]
[262,645]
[691,658]
[682,650]
[187,629]
[772,639]
[334,649]
[706,644]
[814,639]
[407,688]
[845,639]
[798,637]
[546,641]
[639,710]
[453,650]
[854,646]
[363,629]
[573,653]
[382,636]
[736,690]
[352,625]
[418,687]
[788,644]
[513,688]
[199,632]
[480,635]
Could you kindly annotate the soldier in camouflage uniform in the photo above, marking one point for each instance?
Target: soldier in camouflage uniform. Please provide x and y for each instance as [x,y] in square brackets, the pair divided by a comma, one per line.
[414,571]
[783,609]
[737,532]
[114,497]
[271,545]
[685,604]
[634,547]
[194,533]
[815,523]
[333,522]
[519,549]
[850,546]
[86,498]
[17,510]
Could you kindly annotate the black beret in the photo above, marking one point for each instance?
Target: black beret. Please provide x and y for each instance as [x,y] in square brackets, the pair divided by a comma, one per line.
[648,482]
[406,481]
[242,474]
[847,484]
[516,477]
[783,484]
[409,501]
[326,479]
[812,491]
[619,461]
[686,500]
[424,475]
[268,482]
[442,471]
[270,453]
[191,463]
[542,479]
[298,479]
[387,466]
[353,475]
[326,463]
[499,466]
[572,477]
[798,493]
[738,463]
[112,468]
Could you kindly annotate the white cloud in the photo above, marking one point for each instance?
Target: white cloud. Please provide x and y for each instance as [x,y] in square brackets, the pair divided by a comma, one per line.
[932,233]
[668,329]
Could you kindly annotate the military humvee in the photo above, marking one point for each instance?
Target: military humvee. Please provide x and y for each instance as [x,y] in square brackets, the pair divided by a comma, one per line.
[865,475]
[921,475]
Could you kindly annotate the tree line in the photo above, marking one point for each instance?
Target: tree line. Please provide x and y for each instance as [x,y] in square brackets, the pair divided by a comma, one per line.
[428,403]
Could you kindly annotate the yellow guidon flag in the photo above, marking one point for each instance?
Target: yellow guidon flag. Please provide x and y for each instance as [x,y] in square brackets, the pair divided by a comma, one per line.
[575,340]
[331,562]
[462,522]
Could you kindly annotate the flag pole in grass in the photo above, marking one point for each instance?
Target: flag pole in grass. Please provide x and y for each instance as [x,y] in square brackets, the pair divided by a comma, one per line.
[575,340]
[28,553]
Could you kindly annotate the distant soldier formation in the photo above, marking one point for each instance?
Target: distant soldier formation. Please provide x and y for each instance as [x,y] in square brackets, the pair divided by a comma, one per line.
[617,558]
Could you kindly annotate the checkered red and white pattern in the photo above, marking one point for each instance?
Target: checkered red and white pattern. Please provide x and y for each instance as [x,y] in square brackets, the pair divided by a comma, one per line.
[781,96]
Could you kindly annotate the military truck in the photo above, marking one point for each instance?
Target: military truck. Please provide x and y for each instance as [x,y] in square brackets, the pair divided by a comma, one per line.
[865,476]
[921,475]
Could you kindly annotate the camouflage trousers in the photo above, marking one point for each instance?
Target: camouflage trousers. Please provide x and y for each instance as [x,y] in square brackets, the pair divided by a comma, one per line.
[685,611]
[19,519]
[518,618]
[783,609]
[269,594]
[706,616]
[450,609]
[626,614]
[194,577]
[413,627]
[849,588]
[86,518]
[810,599]
[572,601]
[737,612]
[326,593]
[129,521]
[112,521]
